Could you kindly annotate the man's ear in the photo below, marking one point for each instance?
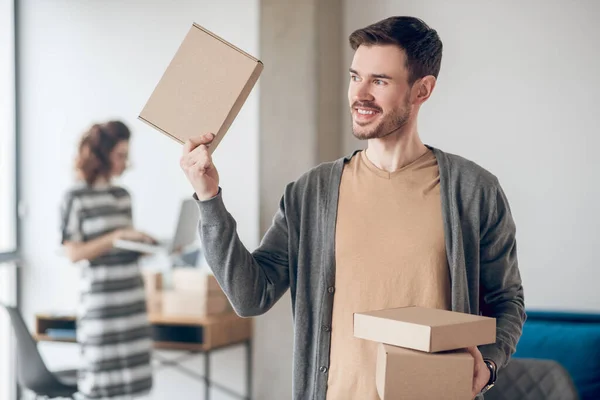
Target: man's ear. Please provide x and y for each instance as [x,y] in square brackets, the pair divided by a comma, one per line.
[423,88]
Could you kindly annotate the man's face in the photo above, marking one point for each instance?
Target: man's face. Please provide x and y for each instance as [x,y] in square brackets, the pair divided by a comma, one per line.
[378,93]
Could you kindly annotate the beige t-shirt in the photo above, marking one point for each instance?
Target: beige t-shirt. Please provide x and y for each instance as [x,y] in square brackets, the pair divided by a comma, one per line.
[390,252]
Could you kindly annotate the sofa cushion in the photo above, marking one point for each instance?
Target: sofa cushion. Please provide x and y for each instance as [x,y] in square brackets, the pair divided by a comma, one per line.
[572,340]
[530,379]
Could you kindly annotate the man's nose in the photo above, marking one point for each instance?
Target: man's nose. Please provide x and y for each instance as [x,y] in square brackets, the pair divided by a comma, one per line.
[362,92]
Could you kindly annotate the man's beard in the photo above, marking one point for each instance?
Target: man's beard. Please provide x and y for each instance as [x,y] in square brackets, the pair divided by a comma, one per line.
[388,124]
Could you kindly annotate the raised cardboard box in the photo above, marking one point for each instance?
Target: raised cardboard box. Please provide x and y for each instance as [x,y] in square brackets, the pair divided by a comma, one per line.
[425,329]
[411,374]
[203,88]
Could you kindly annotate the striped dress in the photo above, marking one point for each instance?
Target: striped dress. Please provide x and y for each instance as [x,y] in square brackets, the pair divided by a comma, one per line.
[112,324]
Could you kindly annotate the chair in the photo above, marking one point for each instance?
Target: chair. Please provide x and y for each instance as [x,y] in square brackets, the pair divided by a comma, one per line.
[32,372]
[533,379]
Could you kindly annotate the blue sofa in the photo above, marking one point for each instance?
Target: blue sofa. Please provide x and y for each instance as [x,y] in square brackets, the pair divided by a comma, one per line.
[571,339]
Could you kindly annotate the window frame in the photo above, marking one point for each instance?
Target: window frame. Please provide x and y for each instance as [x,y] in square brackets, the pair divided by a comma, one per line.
[14,255]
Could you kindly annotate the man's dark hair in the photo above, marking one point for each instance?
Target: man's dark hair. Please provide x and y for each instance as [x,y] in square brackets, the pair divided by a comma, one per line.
[421,44]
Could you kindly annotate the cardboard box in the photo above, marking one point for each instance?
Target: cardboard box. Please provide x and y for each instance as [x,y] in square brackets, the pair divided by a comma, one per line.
[154,303]
[412,374]
[153,284]
[153,281]
[425,329]
[189,303]
[196,280]
[203,88]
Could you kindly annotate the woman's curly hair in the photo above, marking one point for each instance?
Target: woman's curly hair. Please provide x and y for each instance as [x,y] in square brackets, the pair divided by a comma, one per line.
[95,146]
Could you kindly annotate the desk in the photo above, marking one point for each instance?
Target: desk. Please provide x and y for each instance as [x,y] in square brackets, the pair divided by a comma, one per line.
[177,332]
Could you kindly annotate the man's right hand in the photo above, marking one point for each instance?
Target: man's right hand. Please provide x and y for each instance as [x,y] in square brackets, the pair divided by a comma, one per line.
[197,164]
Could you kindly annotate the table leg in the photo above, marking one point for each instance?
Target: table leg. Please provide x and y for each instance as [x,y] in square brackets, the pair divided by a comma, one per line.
[249,369]
[207,375]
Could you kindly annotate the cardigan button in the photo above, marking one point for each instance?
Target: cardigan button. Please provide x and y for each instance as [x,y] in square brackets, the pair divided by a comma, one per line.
[323,369]
[331,289]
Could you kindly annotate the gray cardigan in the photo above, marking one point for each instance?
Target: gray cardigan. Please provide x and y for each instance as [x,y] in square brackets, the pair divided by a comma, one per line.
[297,252]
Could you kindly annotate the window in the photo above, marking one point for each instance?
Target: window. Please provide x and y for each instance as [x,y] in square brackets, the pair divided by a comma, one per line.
[8,191]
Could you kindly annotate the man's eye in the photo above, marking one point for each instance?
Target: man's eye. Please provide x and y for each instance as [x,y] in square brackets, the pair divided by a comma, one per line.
[379,82]
[354,78]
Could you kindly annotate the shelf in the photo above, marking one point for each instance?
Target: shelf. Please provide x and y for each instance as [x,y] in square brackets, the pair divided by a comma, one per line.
[177,332]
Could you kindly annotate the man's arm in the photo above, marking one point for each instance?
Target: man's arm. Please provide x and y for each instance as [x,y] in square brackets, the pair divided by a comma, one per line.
[254,281]
[501,289]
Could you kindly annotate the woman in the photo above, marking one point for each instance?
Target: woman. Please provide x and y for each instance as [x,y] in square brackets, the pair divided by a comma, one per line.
[112,324]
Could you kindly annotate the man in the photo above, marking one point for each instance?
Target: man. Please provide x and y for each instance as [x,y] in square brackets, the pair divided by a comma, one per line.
[398,224]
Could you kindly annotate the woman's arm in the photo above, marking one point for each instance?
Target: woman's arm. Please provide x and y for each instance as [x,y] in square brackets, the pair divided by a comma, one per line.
[77,251]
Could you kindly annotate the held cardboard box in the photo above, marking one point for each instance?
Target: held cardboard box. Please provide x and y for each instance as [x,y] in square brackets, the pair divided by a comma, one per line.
[425,329]
[203,88]
[412,374]
[193,279]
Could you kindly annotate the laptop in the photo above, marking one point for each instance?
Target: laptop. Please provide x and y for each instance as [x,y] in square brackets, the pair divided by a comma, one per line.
[185,234]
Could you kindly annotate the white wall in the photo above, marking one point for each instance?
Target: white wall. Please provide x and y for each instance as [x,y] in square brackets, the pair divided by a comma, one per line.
[518,93]
[84,62]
